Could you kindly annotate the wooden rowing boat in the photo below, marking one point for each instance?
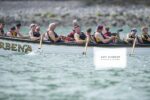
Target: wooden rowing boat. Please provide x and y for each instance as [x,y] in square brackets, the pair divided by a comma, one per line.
[27,45]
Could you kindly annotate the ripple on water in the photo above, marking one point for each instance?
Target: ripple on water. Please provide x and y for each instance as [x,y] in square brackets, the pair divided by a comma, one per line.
[71,77]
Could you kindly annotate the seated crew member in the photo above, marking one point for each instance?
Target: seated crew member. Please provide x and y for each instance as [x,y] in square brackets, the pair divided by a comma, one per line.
[18,26]
[12,32]
[2,29]
[51,34]
[100,38]
[131,37]
[108,33]
[34,33]
[70,36]
[89,36]
[79,36]
[145,36]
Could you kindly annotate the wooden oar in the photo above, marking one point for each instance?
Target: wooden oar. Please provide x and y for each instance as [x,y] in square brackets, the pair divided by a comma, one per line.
[86,45]
[41,41]
[133,47]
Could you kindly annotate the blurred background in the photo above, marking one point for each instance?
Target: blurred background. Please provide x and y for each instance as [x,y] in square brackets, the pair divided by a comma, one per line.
[134,13]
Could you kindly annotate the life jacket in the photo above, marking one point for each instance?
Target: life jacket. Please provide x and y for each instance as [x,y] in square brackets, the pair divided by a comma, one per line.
[130,36]
[14,34]
[36,34]
[2,31]
[50,39]
[71,35]
[145,37]
[82,36]
[107,34]
[97,40]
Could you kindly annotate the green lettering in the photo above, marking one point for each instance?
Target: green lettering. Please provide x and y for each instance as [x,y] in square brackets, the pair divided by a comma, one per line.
[14,47]
[20,48]
[7,46]
[1,45]
[28,49]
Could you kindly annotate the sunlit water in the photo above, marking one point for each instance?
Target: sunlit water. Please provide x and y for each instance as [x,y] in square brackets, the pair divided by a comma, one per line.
[61,75]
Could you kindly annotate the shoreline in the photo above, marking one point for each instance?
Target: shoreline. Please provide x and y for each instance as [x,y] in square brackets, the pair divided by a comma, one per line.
[63,12]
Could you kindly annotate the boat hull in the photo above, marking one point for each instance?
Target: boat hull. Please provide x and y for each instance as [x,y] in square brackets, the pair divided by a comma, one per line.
[9,45]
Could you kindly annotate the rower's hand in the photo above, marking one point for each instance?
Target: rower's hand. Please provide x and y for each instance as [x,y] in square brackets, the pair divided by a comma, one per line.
[112,37]
[132,39]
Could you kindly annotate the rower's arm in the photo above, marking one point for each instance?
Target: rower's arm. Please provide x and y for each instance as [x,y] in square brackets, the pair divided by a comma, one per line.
[9,34]
[32,37]
[20,35]
[128,38]
[106,40]
[78,40]
[148,39]
[53,37]
[102,39]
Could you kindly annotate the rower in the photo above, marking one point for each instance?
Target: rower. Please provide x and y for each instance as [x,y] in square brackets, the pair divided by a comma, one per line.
[89,36]
[145,36]
[100,38]
[79,36]
[70,36]
[51,35]
[2,29]
[107,33]
[12,32]
[131,37]
[34,32]
[18,26]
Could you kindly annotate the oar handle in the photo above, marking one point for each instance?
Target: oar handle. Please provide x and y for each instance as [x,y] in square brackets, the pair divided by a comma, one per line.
[41,40]
[133,47]
[86,45]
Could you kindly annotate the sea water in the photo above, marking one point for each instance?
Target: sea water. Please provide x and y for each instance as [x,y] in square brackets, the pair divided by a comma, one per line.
[68,75]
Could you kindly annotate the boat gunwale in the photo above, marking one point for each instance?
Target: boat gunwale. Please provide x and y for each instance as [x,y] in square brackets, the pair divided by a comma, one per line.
[71,43]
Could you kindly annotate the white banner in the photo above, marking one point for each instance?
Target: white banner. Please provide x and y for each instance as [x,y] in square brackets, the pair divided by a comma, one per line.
[109,58]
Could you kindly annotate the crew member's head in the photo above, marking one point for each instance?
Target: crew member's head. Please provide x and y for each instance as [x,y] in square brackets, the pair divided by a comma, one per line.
[18,25]
[107,29]
[52,26]
[77,29]
[12,29]
[37,29]
[145,30]
[133,31]
[32,27]
[99,28]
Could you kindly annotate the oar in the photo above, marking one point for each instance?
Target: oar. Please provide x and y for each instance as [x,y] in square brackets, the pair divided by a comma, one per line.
[86,45]
[133,47]
[41,41]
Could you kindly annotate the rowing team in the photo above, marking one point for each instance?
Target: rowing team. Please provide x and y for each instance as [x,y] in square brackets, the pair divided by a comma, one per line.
[101,36]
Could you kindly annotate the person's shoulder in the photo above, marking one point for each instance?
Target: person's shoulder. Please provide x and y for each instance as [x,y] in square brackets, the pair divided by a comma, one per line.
[50,32]
[76,34]
[97,34]
[8,33]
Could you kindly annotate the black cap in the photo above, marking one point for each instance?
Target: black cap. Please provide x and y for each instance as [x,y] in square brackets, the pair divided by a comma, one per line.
[12,28]
[18,25]
[89,30]
[107,28]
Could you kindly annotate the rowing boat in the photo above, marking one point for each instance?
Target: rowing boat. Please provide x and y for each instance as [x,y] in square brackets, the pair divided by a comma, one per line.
[27,45]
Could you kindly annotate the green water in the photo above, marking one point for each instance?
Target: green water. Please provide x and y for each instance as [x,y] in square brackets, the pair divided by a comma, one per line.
[63,75]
